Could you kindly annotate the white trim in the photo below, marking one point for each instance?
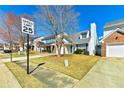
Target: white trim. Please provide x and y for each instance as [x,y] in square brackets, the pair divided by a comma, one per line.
[114,43]
[116,30]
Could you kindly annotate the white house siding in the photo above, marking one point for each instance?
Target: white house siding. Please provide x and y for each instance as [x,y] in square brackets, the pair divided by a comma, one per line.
[61,51]
[87,36]
[107,32]
[35,47]
[62,48]
[81,46]
[68,49]
[73,49]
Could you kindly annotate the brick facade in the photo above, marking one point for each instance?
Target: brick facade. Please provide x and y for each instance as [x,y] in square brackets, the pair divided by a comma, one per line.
[116,37]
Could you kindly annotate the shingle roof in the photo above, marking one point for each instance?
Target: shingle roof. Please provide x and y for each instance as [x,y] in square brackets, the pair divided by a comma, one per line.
[81,41]
[49,37]
[76,35]
[73,38]
[114,24]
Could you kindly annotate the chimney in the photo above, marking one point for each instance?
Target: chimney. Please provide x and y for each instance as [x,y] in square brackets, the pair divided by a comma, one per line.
[93,39]
[93,29]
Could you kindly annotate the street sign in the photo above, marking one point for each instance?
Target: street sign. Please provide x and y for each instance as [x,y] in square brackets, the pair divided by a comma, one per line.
[27,26]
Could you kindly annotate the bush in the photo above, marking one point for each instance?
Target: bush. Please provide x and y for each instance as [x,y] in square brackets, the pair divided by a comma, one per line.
[78,51]
[81,51]
[86,52]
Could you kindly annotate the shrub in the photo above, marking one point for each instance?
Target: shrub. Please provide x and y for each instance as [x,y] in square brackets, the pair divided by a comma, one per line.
[81,51]
[86,52]
[78,51]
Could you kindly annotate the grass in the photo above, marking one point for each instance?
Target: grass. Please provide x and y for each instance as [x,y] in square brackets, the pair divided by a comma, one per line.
[3,55]
[26,81]
[79,65]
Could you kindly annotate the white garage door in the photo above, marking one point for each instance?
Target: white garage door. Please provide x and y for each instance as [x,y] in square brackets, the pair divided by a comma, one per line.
[115,50]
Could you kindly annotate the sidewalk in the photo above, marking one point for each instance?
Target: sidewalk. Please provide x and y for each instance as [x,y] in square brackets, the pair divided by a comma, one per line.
[7,79]
[24,58]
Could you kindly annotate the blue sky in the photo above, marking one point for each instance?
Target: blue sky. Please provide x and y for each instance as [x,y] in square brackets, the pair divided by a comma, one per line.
[88,14]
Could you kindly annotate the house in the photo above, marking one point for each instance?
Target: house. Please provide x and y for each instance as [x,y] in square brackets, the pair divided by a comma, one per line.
[113,39]
[81,40]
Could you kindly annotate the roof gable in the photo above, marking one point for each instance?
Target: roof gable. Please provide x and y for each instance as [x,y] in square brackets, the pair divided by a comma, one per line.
[77,35]
[117,30]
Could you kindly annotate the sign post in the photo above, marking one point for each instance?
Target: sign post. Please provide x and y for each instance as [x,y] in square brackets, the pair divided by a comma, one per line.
[27,28]
[28,72]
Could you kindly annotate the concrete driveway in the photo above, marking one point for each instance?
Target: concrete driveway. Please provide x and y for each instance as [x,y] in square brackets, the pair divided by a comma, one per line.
[108,72]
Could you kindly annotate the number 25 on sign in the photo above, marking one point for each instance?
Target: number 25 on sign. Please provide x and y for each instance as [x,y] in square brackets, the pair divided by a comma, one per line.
[27,26]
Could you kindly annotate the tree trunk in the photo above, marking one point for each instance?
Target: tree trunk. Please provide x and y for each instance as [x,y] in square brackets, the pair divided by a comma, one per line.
[63,49]
[59,50]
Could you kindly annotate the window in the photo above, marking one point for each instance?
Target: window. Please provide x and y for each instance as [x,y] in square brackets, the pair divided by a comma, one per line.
[84,35]
[81,46]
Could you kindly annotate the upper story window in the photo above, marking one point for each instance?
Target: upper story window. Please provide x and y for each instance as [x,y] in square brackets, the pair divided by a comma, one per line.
[83,35]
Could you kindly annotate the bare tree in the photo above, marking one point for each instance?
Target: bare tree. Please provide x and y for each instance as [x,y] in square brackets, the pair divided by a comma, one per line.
[17,28]
[4,35]
[56,20]
[6,30]
[10,29]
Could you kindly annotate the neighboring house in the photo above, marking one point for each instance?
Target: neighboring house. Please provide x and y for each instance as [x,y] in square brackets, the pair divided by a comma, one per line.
[113,41]
[1,47]
[38,44]
[82,40]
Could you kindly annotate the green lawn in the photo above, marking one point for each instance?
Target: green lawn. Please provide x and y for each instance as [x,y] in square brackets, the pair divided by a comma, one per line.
[26,81]
[79,65]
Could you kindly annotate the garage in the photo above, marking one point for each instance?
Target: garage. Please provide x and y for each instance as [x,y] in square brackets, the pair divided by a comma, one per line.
[115,50]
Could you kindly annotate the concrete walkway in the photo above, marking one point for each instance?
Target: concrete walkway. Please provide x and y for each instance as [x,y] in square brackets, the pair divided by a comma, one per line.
[51,78]
[7,79]
[106,73]
[24,58]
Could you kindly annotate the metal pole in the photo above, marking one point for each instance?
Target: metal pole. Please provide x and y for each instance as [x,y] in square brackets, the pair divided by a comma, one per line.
[11,56]
[28,54]
[11,51]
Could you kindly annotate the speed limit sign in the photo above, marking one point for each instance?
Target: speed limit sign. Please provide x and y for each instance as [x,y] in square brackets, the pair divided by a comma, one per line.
[27,26]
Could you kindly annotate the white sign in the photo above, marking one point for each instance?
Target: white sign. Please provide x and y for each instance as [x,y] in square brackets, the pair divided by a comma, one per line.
[66,63]
[27,26]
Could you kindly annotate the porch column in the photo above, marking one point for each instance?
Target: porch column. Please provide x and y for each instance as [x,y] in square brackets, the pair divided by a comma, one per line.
[51,47]
[56,51]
